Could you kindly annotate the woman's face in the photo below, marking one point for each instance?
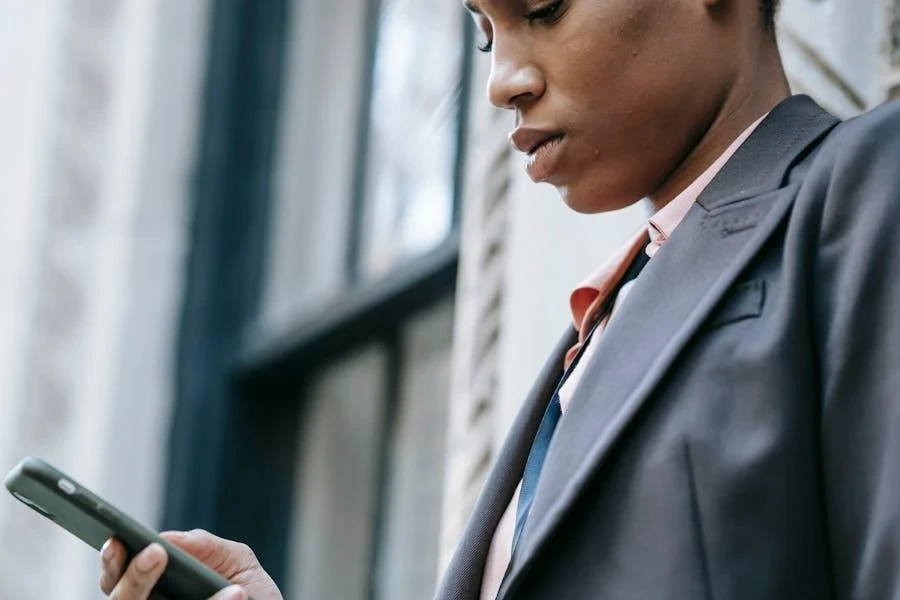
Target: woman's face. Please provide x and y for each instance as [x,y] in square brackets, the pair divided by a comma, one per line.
[609,95]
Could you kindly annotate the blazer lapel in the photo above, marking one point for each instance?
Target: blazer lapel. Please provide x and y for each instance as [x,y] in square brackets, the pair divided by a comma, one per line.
[671,299]
[462,579]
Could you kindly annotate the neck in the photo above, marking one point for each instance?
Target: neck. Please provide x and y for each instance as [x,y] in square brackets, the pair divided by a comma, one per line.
[761,87]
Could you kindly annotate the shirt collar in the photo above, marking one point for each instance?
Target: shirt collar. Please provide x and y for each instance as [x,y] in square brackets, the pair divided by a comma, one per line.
[663,223]
[659,227]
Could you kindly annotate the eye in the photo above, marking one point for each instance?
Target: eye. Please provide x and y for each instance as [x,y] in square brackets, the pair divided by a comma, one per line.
[546,14]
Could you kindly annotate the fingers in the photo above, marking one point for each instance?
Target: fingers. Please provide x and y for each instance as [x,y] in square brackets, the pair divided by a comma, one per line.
[112,564]
[137,582]
[226,557]
[234,592]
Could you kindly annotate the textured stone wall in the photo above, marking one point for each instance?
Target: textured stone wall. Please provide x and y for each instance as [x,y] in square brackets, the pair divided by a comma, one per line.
[480,298]
[45,409]
[893,48]
[91,383]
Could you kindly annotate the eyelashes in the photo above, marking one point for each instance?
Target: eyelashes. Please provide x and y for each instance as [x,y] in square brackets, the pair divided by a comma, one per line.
[545,15]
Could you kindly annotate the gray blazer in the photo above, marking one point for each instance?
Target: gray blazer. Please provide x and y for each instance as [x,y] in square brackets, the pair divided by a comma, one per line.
[737,432]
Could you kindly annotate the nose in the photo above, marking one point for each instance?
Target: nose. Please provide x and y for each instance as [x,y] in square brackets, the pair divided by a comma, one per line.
[514,80]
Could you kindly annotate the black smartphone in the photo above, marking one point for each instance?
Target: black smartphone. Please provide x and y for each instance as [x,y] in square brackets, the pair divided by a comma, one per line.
[61,499]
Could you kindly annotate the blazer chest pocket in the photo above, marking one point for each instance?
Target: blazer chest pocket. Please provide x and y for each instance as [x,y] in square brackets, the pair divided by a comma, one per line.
[745,301]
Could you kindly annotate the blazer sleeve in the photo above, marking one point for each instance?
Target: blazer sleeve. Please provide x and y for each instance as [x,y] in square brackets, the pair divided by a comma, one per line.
[856,315]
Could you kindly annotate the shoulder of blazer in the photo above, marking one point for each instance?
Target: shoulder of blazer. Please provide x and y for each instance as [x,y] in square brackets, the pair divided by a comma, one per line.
[853,177]
[879,123]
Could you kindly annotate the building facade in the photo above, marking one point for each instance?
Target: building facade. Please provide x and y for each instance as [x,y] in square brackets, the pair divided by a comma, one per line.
[272,269]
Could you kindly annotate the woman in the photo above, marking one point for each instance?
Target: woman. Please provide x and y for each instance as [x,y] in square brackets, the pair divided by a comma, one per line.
[723,413]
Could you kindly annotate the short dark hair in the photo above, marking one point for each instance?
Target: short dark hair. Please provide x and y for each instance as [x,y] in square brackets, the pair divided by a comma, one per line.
[769,8]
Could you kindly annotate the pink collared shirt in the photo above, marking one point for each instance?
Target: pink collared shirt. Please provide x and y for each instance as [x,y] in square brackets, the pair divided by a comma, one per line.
[585,301]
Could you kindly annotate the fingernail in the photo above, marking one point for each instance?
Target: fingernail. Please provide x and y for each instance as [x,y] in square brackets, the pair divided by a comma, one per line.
[149,558]
[107,551]
[235,592]
[177,535]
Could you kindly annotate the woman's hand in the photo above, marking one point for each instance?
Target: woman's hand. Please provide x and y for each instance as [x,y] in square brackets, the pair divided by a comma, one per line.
[235,562]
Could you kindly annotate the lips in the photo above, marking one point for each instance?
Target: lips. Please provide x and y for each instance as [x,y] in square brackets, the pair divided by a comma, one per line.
[527,140]
[542,150]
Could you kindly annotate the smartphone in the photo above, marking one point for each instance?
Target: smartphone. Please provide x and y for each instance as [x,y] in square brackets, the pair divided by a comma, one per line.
[92,519]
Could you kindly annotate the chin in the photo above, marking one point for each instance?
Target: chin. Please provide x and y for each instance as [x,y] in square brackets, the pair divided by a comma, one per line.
[592,200]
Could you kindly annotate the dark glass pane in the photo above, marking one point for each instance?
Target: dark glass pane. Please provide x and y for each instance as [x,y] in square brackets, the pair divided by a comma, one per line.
[409,542]
[337,483]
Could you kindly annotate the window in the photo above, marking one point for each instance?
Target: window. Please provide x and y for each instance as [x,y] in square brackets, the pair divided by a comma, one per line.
[317,328]
[370,468]
[408,192]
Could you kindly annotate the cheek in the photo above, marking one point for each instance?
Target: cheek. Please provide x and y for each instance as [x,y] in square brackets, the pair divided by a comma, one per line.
[604,63]
[626,102]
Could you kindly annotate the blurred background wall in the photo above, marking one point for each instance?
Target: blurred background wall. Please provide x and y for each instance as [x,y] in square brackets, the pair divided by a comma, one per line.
[99,113]
[271,269]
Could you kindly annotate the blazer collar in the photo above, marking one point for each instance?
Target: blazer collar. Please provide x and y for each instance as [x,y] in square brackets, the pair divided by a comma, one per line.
[763,162]
[462,579]
[721,233]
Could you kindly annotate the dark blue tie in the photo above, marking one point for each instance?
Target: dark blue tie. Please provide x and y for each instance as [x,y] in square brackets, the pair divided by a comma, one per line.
[545,431]
[535,463]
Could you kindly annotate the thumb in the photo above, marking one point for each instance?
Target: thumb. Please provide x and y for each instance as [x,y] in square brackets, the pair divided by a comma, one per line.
[227,558]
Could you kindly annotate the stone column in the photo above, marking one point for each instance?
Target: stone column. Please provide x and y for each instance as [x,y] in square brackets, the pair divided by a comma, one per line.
[46,407]
[470,447]
[93,383]
[836,51]
[893,49]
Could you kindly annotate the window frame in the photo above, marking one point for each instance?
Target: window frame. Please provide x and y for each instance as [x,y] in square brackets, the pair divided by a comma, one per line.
[234,435]
[357,201]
